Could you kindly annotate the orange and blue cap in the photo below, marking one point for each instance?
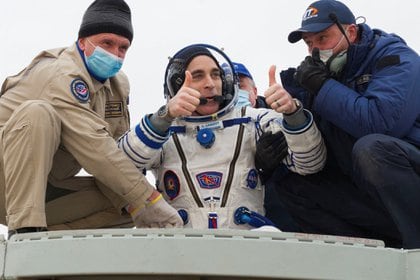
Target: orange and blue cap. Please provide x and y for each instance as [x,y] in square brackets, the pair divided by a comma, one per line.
[320,15]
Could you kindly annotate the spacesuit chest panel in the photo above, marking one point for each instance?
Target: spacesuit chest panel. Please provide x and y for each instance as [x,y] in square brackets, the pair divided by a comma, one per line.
[188,163]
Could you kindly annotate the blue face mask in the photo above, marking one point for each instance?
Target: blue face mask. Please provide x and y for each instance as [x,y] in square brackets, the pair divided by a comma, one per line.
[102,63]
[243,98]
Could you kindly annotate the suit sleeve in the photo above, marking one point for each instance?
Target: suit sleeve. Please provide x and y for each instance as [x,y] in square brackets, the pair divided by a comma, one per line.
[307,152]
[85,135]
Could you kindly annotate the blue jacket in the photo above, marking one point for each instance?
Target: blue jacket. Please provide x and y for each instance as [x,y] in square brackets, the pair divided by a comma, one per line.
[378,92]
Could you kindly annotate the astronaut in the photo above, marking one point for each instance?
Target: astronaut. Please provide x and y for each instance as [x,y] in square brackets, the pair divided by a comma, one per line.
[201,148]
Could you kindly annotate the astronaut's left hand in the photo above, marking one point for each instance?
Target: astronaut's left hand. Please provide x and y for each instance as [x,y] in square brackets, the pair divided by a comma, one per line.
[271,150]
[277,96]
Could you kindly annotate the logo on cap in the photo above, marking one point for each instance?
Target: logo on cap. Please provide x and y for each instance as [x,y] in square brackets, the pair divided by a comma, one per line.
[311,12]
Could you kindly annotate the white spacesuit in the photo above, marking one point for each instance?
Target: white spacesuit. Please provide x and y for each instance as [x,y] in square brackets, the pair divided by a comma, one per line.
[204,165]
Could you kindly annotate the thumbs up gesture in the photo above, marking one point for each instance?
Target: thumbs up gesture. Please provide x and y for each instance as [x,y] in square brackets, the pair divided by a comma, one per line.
[276,96]
[186,100]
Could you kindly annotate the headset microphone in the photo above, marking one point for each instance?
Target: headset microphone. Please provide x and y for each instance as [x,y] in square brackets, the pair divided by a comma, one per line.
[217,98]
[203,100]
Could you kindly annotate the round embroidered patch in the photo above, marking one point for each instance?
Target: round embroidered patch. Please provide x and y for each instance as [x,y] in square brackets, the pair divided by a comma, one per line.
[80,90]
[171,183]
[252,179]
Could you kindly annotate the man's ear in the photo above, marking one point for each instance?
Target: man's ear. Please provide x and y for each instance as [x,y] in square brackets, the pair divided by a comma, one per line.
[255,90]
[352,33]
[82,43]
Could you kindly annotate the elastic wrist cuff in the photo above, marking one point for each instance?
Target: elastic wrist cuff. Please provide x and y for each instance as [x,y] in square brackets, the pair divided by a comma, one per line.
[159,197]
[296,119]
[134,211]
[159,125]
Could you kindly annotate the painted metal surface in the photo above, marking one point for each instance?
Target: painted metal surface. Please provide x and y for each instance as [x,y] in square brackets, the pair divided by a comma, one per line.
[201,254]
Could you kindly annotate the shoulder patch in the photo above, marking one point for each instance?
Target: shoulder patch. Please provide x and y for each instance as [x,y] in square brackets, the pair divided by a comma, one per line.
[80,90]
[388,60]
[171,184]
[252,179]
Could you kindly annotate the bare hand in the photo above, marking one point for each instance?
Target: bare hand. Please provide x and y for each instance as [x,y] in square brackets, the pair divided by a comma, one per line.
[276,96]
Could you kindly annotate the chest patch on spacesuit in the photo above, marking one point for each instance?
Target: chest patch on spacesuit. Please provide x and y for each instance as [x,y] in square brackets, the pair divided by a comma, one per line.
[252,179]
[171,184]
[209,180]
[80,90]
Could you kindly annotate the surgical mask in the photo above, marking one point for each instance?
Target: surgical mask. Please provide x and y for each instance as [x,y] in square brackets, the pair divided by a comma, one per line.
[324,55]
[243,98]
[334,62]
[103,64]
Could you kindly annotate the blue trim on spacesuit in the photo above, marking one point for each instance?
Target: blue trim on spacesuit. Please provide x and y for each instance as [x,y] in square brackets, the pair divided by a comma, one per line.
[225,123]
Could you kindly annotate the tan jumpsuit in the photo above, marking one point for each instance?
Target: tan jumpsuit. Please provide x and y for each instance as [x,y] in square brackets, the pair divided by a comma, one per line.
[54,119]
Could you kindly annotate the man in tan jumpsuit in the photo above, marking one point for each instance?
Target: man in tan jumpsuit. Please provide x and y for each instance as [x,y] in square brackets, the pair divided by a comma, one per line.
[63,112]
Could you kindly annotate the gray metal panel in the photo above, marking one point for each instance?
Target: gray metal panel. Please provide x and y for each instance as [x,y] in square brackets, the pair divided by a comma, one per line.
[413,264]
[228,253]
[2,252]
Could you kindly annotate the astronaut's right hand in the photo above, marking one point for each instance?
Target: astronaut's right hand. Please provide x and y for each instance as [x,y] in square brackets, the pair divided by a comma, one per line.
[157,214]
[186,100]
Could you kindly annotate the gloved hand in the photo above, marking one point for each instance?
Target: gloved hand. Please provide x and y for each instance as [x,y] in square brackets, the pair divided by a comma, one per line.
[157,214]
[312,73]
[243,98]
[271,150]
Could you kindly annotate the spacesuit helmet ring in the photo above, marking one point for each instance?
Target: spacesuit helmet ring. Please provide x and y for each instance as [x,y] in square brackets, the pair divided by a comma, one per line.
[175,74]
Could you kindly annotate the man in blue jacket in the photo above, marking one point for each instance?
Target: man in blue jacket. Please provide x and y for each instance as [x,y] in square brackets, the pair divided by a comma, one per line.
[363,86]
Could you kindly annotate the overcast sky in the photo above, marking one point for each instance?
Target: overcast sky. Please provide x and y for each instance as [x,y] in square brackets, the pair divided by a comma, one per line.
[250,31]
[253,32]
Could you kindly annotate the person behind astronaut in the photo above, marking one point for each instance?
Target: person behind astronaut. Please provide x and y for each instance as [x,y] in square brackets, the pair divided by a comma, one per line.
[201,148]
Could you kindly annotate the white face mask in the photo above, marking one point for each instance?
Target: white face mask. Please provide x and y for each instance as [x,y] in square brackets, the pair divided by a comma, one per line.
[243,98]
[324,55]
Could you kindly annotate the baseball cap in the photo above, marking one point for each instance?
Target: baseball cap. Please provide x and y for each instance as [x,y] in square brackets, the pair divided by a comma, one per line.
[320,15]
[241,70]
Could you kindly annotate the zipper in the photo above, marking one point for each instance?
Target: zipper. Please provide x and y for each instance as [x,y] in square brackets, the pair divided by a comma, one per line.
[185,171]
[233,162]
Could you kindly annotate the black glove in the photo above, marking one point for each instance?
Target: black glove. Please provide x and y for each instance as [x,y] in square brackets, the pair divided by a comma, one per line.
[312,73]
[271,150]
